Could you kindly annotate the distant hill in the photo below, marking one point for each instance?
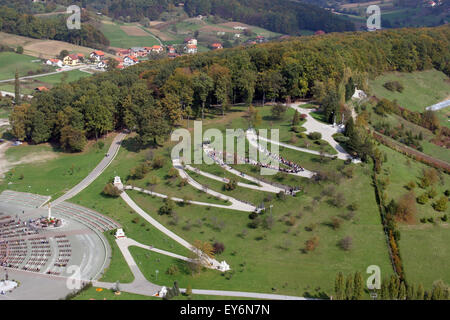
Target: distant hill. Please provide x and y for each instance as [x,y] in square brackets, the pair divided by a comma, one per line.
[282,16]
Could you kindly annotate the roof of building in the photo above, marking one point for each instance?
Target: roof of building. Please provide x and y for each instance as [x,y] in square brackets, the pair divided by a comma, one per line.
[99,53]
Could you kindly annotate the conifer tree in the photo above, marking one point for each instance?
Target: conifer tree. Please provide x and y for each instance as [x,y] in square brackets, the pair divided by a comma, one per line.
[339,286]
[358,286]
[349,287]
[420,292]
[17,99]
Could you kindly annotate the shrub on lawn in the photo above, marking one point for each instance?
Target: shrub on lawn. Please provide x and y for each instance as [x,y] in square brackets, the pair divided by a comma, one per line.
[346,243]
[111,190]
[315,136]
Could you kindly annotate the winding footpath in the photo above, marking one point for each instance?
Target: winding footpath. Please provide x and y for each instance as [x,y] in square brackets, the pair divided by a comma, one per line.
[235,204]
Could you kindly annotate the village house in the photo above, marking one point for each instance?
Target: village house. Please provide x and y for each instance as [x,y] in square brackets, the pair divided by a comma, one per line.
[191,41]
[129,61]
[216,46]
[190,48]
[171,49]
[124,52]
[157,49]
[97,55]
[139,51]
[54,62]
[71,60]
[41,89]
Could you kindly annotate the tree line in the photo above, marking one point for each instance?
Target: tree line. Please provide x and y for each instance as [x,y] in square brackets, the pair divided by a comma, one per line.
[11,21]
[153,97]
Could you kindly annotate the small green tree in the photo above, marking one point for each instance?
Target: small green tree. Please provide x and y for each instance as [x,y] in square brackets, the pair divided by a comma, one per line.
[339,286]
[358,286]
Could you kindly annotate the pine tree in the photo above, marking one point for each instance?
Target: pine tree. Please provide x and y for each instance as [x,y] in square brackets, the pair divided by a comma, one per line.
[339,286]
[349,288]
[358,286]
[393,288]
[189,290]
[296,119]
[420,292]
[384,290]
[402,291]
[17,99]
[410,292]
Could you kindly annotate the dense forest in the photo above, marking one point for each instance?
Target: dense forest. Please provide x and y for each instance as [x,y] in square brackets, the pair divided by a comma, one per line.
[283,16]
[152,98]
[11,21]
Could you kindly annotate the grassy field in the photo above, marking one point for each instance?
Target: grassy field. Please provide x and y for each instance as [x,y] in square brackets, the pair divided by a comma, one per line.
[27,86]
[11,61]
[421,88]
[423,246]
[43,49]
[119,38]
[47,171]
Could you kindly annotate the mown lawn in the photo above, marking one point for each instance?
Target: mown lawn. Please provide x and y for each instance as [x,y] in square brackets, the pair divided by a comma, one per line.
[11,61]
[423,246]
[119,38]
[51,171]
[421,88]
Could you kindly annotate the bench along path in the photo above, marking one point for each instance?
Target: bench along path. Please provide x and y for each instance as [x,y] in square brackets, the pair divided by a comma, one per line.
[253,139]
[261,187]
[160,195]
[235,204]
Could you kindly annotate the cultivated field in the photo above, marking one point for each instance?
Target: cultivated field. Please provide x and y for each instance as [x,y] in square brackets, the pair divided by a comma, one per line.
[44,49]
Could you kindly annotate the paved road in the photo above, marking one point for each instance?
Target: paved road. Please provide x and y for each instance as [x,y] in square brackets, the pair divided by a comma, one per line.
[113,150]
[141,285]
[12,94]
[45,74]
[327,131]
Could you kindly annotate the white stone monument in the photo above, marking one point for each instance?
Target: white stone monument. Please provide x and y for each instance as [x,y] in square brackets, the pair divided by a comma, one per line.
[224,266]
[118,183]
[162,293]
[120,234]
[49,212]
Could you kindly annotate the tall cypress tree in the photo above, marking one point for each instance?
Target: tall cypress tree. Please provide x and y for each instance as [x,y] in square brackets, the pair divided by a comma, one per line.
[420,292]
[339,286]
[402,291]
[17,88]
[349,288]
[358,286]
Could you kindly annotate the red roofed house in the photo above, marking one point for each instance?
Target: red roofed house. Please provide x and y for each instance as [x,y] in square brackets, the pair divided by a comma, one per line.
[97,55]
[71,60]
[129,61]
[157,49]
[124,52]
[54,62]
[190,48]
[41,89]
[216,46]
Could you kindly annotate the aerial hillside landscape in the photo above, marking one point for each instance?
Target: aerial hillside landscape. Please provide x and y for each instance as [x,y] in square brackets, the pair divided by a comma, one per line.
[205,150]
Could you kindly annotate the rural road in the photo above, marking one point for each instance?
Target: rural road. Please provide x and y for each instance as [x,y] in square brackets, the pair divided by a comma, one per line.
[113,150]
[46,74]
[6,93]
